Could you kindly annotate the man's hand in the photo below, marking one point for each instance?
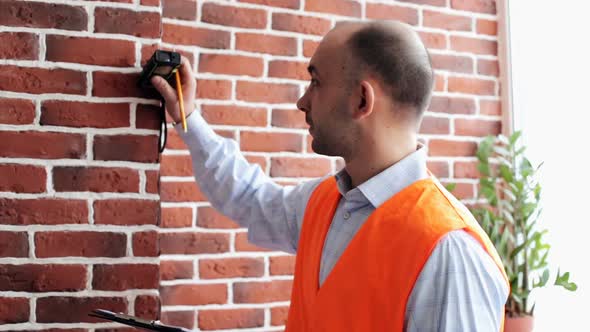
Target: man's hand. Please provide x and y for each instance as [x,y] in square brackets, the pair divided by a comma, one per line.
[169,93]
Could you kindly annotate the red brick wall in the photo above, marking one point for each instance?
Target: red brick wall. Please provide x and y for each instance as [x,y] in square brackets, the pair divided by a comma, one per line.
[79,203]
[250,58]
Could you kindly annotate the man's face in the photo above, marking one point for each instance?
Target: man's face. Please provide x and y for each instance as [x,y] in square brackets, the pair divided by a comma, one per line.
[327,102]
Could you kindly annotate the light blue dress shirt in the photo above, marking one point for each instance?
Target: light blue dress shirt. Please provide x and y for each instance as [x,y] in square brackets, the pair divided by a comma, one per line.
[459,289]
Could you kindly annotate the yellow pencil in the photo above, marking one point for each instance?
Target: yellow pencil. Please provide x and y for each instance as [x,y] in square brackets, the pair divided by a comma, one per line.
[180,101]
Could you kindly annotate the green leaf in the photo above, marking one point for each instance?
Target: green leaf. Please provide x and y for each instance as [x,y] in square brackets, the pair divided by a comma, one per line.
[484,149]
[450,187]
[506,173]
[563,281]
[483,168]
[543,280]
[515,136]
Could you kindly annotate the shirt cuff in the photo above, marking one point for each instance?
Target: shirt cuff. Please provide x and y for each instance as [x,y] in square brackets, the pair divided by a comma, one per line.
[198,133]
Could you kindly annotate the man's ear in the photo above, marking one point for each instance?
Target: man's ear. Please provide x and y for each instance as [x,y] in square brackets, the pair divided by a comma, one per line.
[366,100]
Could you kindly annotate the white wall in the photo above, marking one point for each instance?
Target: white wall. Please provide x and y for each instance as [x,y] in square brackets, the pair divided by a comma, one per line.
[550,43]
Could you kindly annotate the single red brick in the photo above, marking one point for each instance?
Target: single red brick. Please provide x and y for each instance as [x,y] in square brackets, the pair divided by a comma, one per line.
[477,127]
[42,278]
[138,148]
[300,23]
[80,244]
[233,16]
[488,67]
[299,167]
[14,244]
[83,114]
[474,45]
[237,267]
[193,243]
[43,15]
[148,117]
[459,64]
[185,35]
[214,319]
[170,270]
[465,169]
[267,92]
[17,111]
[180,9]
[479,6]
[392,12]
[487,27]
[261,292]
[436,19]
[194,294]
[433,40]
[129,22]
[208,217]
[42,145]
[111,84]
[181,192]
[278,315]
[146,244]
[147,307]
[490,107]
[92,51]
[242,243]
[125,276]
[42,80]
[435,125]
[288,119]
[452,105]
[293,4]
[235,115]
[43,211]
[14,309]
[270,142]
[185,319]
[270,44]
[177,217]
[22,178]
[440,169]
[176,165]
[19,45]
[96,179]
[282,265]
[213,89]
[152,182]
[231,64]
[288,69]
[471,85]
[338,7]
[51,309]
[448,148]
[126,212]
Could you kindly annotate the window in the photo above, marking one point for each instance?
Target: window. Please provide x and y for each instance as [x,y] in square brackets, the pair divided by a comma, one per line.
[550,63]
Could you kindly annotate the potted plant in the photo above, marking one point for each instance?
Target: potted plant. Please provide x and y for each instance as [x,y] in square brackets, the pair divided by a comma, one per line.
[508,211]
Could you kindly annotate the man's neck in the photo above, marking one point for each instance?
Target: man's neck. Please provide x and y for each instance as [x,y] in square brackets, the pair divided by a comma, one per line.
[375,159]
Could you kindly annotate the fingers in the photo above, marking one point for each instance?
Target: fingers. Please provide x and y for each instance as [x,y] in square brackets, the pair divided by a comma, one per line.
[186,73]
[164,89]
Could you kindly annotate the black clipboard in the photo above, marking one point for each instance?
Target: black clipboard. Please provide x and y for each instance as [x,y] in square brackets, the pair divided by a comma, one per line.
[135,321]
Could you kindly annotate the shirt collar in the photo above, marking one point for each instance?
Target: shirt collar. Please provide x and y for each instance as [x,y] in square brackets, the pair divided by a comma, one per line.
[390,181]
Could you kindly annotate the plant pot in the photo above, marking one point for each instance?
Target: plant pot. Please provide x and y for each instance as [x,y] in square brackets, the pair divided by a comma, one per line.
[519,324]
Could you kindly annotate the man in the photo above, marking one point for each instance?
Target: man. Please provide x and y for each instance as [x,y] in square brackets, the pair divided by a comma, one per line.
[380,246]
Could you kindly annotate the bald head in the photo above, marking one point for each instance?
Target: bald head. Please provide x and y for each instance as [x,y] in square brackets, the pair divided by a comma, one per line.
[393,52]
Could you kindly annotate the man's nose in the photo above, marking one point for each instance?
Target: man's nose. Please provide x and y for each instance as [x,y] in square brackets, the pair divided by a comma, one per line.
[303,103]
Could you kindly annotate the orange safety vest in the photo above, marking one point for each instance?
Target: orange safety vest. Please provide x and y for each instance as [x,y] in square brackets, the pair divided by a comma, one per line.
[369,286]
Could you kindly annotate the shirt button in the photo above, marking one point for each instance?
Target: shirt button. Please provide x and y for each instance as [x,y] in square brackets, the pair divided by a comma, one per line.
[346,215]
